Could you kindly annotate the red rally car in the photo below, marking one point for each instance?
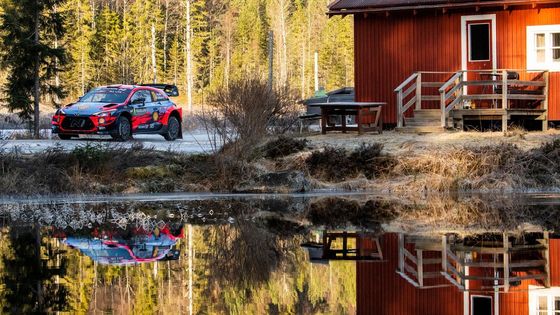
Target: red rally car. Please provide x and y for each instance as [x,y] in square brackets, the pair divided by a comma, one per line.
[121,111]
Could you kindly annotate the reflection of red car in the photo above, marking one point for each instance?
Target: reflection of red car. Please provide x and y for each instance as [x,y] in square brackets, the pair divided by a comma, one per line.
[142,247]
[121,111]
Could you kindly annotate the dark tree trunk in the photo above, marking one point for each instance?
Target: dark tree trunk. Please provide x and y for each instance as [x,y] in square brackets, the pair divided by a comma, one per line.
[37,85]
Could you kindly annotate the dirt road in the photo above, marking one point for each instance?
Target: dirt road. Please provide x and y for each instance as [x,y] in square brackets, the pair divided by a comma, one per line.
[192,142]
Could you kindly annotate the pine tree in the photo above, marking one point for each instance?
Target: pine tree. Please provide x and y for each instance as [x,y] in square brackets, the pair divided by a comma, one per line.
[30,28]
[79,20]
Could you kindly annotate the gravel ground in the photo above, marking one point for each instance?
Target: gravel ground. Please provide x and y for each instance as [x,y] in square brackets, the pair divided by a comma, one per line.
[192,142]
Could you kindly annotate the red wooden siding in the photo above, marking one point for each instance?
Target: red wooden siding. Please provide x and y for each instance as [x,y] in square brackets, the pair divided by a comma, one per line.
[380,290]
[389,49]
[518,303]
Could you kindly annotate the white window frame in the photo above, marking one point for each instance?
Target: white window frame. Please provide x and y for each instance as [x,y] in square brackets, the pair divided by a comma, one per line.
[532,63]
[536,292]
[485,297]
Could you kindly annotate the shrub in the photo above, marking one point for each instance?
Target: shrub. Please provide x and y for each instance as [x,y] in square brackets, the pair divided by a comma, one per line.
[283,146]
[337,164]
[241,114]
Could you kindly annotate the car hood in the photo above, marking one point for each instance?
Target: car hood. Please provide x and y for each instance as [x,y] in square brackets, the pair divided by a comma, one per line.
[86,109]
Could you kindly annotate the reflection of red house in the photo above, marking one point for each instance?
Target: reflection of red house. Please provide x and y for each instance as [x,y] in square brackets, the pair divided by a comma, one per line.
[381,290]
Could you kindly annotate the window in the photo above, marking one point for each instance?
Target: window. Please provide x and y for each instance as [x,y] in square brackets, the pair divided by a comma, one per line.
[479,42]
[543,47]
[159,96]
[544,301]
[145,94]
[542,306]
[106,95]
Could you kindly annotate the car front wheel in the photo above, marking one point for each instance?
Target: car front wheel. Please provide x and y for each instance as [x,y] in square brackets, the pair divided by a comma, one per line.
[173,129]
[123,130]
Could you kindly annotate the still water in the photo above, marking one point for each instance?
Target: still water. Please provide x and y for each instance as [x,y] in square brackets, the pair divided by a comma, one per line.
[314,254]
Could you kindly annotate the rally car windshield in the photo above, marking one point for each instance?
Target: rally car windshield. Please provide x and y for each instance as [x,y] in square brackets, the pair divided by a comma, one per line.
[106,95]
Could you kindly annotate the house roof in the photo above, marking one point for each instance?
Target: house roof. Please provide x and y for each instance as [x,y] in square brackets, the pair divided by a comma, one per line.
[359,6]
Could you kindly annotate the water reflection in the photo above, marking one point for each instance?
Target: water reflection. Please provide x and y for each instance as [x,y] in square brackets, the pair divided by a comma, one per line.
[136,246]
[366,255]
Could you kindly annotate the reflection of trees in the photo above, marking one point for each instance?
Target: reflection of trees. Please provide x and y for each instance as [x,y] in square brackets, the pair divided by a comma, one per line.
[244,254]
[31,274]
[253,271]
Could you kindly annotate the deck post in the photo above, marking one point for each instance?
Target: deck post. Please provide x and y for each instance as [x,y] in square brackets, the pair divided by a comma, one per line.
[546,237]
[506,262]
[399,109]
[419,91]
[401,252]
[504,100]
[420,267]
[444,253]
[443,110]
[545,102]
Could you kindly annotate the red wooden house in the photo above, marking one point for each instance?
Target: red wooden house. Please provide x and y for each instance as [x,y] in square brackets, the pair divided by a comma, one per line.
[477,276]
[443,63]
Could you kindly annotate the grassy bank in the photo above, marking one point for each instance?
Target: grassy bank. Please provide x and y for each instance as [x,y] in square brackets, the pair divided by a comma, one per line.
[282,165]
[98,169]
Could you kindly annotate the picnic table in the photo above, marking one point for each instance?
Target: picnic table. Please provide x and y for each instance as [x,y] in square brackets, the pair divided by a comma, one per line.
[368,116]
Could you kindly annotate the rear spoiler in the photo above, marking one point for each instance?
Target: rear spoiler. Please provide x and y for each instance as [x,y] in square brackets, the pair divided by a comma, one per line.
[169,89]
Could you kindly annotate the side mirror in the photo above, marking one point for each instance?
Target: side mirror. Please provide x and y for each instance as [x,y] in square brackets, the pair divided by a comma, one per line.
[139,101]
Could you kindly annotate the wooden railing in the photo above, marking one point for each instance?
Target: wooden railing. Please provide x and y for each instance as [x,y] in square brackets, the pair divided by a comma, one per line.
[410,92]
[454,264]
[416,268]
[452,92]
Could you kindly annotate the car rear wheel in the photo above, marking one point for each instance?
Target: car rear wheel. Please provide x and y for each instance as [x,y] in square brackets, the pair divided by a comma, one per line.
[123,130]
[173,129]
[64,137]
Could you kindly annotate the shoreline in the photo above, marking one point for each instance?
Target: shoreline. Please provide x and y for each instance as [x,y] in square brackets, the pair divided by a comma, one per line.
[391,163]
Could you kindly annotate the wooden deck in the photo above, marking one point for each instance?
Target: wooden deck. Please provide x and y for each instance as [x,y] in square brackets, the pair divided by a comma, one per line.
[491,95]
[459,116]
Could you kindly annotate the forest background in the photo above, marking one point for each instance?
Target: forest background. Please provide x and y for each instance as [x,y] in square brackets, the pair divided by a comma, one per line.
[198,45]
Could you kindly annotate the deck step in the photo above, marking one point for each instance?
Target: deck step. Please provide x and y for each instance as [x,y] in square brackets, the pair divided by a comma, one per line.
[427,113]
[421,129]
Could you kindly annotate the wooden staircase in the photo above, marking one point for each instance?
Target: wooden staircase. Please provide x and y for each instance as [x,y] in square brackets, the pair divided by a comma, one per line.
[423,121]
[504,94]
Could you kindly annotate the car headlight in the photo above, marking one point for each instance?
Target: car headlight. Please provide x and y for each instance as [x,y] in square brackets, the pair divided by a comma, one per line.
[104,114]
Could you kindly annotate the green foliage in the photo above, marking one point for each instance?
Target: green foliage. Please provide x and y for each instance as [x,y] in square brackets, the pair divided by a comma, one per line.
[110,41]
[30,30]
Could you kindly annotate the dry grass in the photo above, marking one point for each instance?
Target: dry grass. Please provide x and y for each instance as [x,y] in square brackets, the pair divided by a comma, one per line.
[113,169]
[434,214]
[502,167]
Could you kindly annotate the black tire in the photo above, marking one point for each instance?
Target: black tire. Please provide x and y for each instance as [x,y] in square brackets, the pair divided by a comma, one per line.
[173,129]
[64,137]
[123,130]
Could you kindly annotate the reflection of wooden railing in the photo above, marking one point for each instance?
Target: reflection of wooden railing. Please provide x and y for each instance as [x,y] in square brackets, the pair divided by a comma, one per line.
[452,92]
[419,269]
[459,263]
